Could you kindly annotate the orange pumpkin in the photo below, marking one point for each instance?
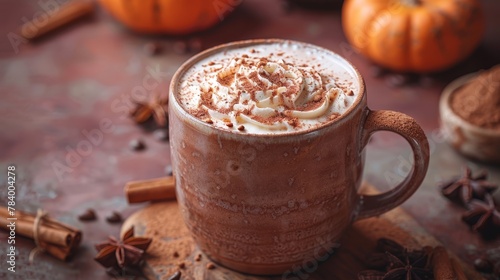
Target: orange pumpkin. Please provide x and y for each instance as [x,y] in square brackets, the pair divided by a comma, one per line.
[413,35]
[169,16]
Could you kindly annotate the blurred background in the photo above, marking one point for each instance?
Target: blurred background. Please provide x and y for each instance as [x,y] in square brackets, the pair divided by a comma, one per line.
[84,78]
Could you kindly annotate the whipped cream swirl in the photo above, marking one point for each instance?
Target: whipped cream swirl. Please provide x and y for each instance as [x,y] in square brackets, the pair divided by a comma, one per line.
[265,93]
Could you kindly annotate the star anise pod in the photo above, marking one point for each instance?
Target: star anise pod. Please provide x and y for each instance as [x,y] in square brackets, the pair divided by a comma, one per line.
[483,216]
[155,108]
[396,262]
[408,269]
[122,253]
[467,187]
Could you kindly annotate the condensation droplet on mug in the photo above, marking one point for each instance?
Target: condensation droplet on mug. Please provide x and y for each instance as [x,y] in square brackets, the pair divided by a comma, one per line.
[338,204]
[348,150]
[183,144]
[246,221]
[291,203]
[285,154]
[290,181]
[296,150]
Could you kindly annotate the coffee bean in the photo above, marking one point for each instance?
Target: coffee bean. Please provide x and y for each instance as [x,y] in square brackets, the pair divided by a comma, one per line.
[181,265]
[88,215]
[168,170]
[161,134]
[176,254]
[137,145]
[210,265]
[482,264]
[175,276]
[152,48]
[114,218]
[198,258]
[180,47]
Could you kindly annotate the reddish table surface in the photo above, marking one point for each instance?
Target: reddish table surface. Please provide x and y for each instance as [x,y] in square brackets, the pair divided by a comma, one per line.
[59,88]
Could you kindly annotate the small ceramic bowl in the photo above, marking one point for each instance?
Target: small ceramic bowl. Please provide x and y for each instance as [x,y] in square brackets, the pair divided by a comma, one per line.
[471,140]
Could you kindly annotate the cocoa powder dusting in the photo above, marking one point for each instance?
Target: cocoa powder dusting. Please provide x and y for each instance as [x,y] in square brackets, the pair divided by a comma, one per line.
[478,102]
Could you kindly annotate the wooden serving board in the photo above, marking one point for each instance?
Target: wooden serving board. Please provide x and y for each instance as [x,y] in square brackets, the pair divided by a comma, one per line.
[174,250]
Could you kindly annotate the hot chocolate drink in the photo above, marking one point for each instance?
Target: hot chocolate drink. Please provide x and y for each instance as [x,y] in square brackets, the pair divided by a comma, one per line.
[267,141]
[274,88]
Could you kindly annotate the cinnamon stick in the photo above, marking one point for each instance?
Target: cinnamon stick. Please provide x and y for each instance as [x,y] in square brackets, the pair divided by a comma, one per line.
[443,268]
[150,190]
[63,15]
[458,269]
[57,239]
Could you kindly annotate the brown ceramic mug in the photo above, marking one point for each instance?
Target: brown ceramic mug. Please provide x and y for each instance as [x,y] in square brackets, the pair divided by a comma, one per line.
[262,203]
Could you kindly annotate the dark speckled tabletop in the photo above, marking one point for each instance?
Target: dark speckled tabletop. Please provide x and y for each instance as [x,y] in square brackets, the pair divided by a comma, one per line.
[77,82]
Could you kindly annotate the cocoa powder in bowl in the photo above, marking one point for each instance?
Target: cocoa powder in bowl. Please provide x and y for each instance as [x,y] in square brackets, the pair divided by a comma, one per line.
[478,102]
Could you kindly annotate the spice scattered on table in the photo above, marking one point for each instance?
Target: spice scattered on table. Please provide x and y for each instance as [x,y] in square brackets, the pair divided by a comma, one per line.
[482,216]
[150,190]
[168,170]
[55,238]
[393,262]
[155,108]
[210,265]
[120,254]
[114,218]
[161,134]
[57,18]
[467,187]
[483,265]
[88,215]
[475,194]
[137,145]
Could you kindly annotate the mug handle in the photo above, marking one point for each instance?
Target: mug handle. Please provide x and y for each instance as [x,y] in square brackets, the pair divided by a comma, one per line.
[373,205]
